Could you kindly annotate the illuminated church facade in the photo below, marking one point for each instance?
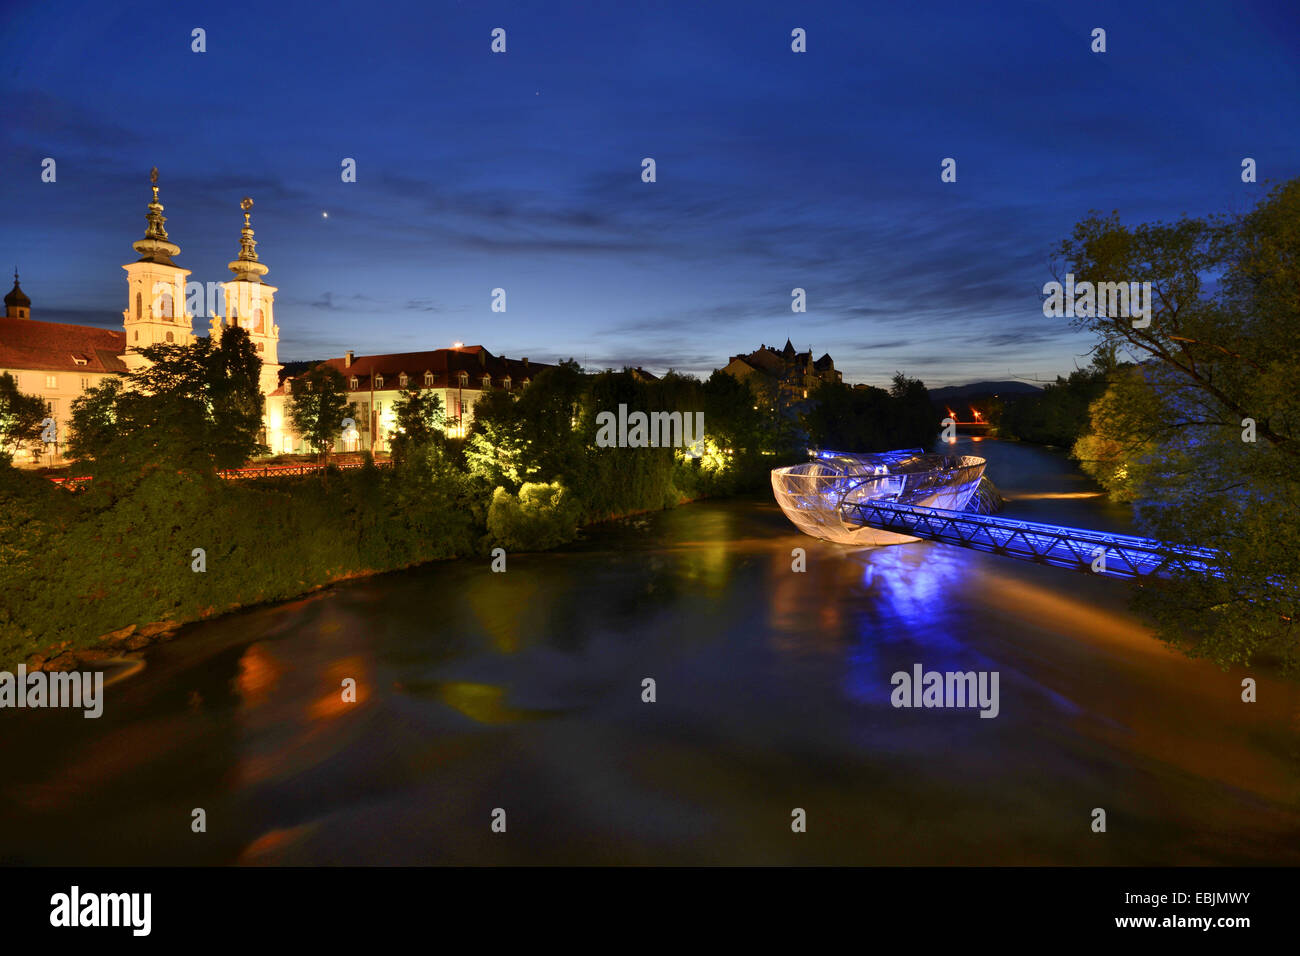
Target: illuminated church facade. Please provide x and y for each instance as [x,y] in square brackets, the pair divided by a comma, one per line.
[156,296]
[59,361]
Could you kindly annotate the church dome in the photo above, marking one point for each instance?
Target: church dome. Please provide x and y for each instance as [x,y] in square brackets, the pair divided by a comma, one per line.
[16,297]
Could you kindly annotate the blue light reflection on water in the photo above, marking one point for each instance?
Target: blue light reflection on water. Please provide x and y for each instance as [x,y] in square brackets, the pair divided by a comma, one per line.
[910,614]
[923,603]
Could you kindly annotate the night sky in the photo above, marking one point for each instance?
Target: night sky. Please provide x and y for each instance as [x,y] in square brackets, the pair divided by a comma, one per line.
[523,171]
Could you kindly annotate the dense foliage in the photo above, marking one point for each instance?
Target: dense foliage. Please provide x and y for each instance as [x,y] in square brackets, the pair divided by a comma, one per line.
[547,434]
[867,419]
[77,566]
[1059,415]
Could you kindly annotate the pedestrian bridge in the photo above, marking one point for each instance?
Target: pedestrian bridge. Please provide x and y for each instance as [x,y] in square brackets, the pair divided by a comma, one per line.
[1112,555]
[900,496]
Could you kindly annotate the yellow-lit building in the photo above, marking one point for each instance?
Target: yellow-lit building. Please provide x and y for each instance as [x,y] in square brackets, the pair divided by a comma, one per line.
[55,361]
[459,376]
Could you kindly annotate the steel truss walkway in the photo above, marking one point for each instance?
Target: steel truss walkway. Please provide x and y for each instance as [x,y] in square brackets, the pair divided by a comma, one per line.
[1126,556]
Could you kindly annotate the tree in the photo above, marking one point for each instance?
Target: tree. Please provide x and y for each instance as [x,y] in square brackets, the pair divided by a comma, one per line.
[235,402]
[1057,415]
[318,405]
[20,419]
[95,425]
[867,419]
[1220,400]
[1118,445]
[419,422]
[551,411]
[541,516]
[538,432]
[195,407]
[1235,345]
[732,416]
[912,421]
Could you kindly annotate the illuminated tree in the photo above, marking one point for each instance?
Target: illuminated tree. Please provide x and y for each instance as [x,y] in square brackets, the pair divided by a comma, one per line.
[419,422]
[317,406]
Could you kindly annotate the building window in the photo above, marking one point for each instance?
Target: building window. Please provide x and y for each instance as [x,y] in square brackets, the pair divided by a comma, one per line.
[401,380]
[526,381]
[137,336]
[428,378]
[139,308]
[505,383]
[85,383]
[353,384]
[257,319]
[165,304]
[260,347]
[464,379]
[487,381]
[379,381]
[51,381]
[170,337]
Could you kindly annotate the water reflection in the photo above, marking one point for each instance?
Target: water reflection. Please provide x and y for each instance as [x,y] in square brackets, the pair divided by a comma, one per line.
[524,690]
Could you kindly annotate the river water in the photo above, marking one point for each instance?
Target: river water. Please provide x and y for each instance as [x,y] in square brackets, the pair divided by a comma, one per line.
[523,691]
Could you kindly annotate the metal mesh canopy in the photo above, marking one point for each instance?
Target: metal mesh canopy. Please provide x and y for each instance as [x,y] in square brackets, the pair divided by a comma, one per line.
[822,496]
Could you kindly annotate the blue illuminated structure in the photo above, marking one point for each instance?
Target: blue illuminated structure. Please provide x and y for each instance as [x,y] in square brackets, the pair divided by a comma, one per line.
[819,495]
[901,496]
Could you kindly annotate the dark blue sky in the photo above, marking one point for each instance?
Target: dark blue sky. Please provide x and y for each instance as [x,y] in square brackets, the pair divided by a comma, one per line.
[522,170]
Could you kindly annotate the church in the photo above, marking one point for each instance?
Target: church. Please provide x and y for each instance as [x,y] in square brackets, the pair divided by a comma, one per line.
[58,361]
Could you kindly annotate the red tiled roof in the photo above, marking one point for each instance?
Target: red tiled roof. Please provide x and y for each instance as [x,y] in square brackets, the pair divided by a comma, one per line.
[445,364]
[57,346]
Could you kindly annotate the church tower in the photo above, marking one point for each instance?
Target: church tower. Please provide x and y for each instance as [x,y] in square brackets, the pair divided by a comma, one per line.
[17,305]
[155,309]
[250,304]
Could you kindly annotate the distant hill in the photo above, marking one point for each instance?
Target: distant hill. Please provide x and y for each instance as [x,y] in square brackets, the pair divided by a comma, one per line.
[982,388]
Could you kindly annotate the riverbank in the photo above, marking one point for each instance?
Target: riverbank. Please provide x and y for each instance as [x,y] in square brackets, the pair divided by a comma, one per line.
[83,649]
[120,644]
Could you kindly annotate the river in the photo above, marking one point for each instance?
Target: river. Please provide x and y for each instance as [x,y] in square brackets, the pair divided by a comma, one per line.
[523,691]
